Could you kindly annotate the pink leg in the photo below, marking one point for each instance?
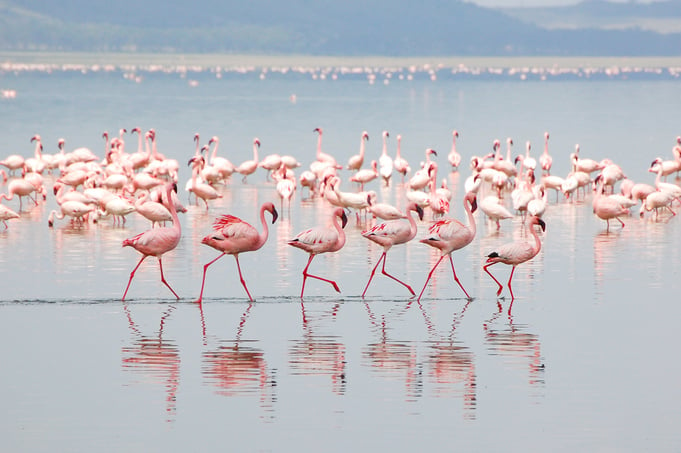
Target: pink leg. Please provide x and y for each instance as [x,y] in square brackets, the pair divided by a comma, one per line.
[430,275]
[203,281]
[305,275]
[620,221]
[373,271]
[243,282]
[509,283]
[457,278]
[497,281]
[163,279]
[132,274]
[395,278]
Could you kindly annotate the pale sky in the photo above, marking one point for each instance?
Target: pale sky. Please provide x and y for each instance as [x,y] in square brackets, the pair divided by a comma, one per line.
[527,3]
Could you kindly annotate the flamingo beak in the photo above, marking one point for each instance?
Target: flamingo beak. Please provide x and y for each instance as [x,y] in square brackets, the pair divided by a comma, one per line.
[275,214]
[541,223]
[344,220]
[474,205]
[419,211]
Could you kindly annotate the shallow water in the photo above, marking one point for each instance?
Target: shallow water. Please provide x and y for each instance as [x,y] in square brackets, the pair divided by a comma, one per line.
[584,358]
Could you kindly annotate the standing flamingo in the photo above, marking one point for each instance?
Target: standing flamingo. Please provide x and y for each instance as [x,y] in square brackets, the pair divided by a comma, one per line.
[391,233]
[355,162]
[449,235]
[400,163]
[248,167]
[385,162]
[545,160]
[454,157]
[157,241]
[321,240]
[231,236]
[515,253]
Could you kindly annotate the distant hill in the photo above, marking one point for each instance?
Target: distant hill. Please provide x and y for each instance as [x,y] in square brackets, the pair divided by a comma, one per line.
[660,16]
[320,27]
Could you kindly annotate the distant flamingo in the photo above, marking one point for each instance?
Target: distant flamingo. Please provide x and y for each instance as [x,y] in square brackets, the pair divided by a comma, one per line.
[200,189]
[454,157]
[400,163]
[248,167]
[365,175]
[391,233]
[355,162]
[385,162]
[515,253]
[448,235]
[157,241]
[321,240]
[232,236]
[545,160]
[607,208]
[322,156]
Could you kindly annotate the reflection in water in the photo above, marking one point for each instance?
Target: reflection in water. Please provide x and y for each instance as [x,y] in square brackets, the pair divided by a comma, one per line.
[603,245]
[316,355]
[156,359]
[522,349]
[235,369]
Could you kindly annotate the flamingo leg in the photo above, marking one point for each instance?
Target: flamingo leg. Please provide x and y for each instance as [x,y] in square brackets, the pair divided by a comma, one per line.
[306,275]
[620,221]
[203,280]
[430,274]
[132,274]
[457,278]
[163,279]
[493,278]
[243,282]
[509,284]
[383,271]
[373,271]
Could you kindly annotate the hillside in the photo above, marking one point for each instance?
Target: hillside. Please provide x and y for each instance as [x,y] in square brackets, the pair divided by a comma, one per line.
[322,27]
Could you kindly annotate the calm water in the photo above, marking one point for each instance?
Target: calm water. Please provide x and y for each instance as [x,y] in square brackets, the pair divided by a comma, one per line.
[587,359]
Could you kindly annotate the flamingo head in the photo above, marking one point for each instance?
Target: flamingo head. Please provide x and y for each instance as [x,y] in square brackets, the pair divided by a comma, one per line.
[196,137]
[344,218]
[136,129]
[318,130]
[419,210]
[256,142]
[60,143]
[431,151]
[35,138]
[537,221]
[386,134]
[546,135]
[365,135]
[455,133]
[213,139]
[496,145]
[272,210]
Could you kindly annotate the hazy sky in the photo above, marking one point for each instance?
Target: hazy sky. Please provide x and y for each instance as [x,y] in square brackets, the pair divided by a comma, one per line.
[493,3]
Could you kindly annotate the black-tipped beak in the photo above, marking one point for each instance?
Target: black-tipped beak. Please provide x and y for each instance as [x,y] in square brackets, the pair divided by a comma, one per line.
[419,211]
[344,220]
[474,204]
[275,214]
[541,223]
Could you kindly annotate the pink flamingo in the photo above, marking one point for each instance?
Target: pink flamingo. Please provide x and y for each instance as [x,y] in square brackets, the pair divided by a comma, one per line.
[515,253]
[321,240]
[449,235]
[545,160]
[391,233]
[355,162]
[232,236]
[157,241]
[454,157]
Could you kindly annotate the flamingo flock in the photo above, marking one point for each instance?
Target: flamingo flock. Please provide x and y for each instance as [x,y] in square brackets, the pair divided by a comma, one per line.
[89,189]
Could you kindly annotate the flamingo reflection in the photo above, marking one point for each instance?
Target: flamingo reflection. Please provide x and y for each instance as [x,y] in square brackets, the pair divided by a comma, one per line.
[237,369]
[156,359]
[520,348]
[316,355]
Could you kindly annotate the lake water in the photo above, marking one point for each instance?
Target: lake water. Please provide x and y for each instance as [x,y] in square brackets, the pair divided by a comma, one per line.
[586,360]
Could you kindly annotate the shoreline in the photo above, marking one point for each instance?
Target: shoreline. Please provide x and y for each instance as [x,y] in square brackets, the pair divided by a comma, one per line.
[227,61]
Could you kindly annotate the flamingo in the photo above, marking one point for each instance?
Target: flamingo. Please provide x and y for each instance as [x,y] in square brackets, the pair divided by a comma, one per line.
[152,210]
[7,214]
[321,240]
[391,233]
[224,167]
[286,187]
[383,211]
[322,156]
[515,253]
[607,208]
[454,157]
[400,163]
[355,162]
[232,236]
[199,189]
[248,167]
[72,208]
[492,207]
[545,160]
[21,187]
[385,162]
[673,189]
[157,241]
[365,175]
[448,235]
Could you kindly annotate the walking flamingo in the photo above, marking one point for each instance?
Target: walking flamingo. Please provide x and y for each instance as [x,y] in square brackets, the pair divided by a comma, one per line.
[157,241]
[448,235]
[514,253]
[391,233]
[232,236]
[321,240]
[7,214]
